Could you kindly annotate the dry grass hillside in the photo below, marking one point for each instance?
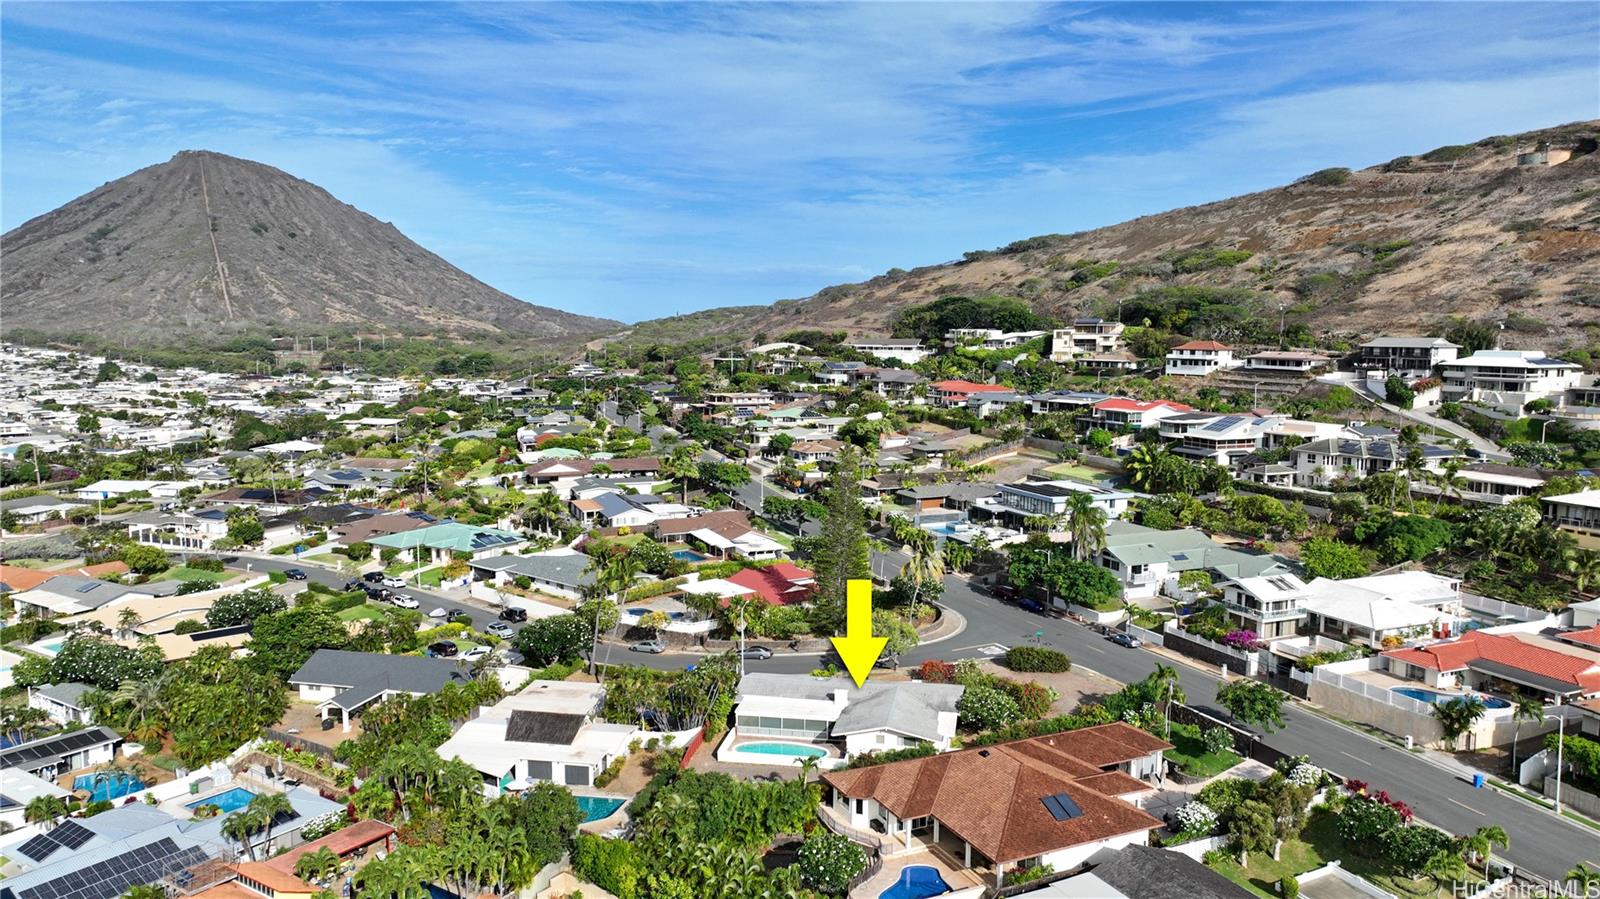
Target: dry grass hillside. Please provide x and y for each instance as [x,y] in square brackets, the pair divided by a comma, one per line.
[1461,230]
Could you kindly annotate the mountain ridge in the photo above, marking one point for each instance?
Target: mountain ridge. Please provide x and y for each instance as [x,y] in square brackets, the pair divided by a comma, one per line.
[218,246]
[1458,230]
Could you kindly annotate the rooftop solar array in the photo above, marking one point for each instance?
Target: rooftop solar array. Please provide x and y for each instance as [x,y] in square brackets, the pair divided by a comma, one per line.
[112,877]
[1062,807]
[54,747]
[68,835]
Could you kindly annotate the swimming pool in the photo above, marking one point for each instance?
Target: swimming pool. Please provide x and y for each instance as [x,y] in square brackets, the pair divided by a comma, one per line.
[595,808]
[226,801]
[793,750]
[1435,697]
[108,785]
[916,882]
[688,555]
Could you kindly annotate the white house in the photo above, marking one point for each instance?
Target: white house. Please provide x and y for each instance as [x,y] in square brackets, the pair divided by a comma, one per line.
[1321,462]
[1509,379]
[874,717]
[907,350]
[1149,561]
[1577,512]
[1025,499]
[1408,357]
[1406,604]
[1199,357]
[550,732]
[1086,337]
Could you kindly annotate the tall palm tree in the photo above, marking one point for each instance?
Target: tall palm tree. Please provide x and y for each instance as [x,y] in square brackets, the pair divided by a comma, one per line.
[1584,566]
[267,807]
[682,466]
[926,566]
[1582,878]
[547,509]
[1524,708]
[240,827]
[44,810]
[1144,464]
[1086,524]
[1482,841]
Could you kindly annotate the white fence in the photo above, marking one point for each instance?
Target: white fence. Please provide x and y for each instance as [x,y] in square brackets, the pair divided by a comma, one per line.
[1327,675]
[1500,608]
[1145,636]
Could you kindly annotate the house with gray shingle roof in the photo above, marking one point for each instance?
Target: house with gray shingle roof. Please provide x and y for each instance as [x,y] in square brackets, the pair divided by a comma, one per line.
[1146,560]
[874,717]
[346,682]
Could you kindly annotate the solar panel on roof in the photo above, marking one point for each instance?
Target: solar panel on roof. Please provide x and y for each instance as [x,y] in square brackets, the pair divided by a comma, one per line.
[1062,807]
[85,588]
[71,834]
[39,848]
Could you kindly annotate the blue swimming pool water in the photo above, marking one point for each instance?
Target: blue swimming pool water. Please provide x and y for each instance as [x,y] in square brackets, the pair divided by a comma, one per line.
[1435,697]
[916,882]
[796,750]
[688,555]
[228,800]
[113,785]
[596,807]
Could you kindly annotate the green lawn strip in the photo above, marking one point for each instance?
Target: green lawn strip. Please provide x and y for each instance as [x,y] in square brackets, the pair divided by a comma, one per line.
[277,577]
[1317,845]
[1190,754]
[181,573]
[363,612]
[627,540]
[1541,802]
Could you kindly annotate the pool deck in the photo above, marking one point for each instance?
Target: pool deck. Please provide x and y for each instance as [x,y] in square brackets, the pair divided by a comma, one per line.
[614,820]
[730,751]
[957,878]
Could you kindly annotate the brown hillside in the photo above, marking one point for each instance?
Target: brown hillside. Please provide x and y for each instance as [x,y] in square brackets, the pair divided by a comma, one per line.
[1394,248]
[139,257]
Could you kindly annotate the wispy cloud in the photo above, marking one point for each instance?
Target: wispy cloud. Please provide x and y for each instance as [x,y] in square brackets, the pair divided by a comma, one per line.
[644,159]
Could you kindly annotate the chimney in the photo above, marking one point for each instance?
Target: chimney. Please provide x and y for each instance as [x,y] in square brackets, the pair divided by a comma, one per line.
[841,697]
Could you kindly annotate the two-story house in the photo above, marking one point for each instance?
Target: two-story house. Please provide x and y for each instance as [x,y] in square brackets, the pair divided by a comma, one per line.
[1199,357]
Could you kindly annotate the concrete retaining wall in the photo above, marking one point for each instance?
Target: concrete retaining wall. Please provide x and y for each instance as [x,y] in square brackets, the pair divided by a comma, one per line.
[1580,801]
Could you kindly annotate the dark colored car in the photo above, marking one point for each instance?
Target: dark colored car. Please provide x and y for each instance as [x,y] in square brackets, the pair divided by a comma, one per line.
[372,577]
[457,615]
[444,649]
[513,614]
[757,652]
[353,585]
[1005,592]
[295,574]
[1031,605]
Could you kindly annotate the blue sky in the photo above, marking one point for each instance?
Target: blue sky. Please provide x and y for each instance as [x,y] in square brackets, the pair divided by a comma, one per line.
[634,161]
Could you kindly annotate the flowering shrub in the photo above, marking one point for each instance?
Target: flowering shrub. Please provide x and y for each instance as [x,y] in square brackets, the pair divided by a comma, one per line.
[1217,740]
[935,671]
[1241,639]
[1033,699]
[1305,775]
[1195,819]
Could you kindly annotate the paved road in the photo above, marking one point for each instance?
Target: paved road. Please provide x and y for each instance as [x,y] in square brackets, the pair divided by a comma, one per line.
[481,615]
[1540,842]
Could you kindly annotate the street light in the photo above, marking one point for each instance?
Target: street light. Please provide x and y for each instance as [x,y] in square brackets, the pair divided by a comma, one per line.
[1561,737]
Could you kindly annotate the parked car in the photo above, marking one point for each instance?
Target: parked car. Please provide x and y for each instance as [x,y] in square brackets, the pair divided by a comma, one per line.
[353,585]
[294,574]
[390,580]
[439,612]
[403,601]
[444,649]
[1128,640]
[651,646]
[457,615]
[757,652]
[373,577]
[475,653]
[510,613]
[500,629]
[1031,605]
[1005,592]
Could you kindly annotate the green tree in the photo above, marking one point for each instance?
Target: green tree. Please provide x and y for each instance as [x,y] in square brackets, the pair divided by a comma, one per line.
[559,638]
[142,559]
[842,548]
[1253,702]
[1457,716]
[1323,557]
[1086,524]
[682,466]
[246,530]
[244,607]
[88,423]
[1523,708]
[1252,827]
[281,642]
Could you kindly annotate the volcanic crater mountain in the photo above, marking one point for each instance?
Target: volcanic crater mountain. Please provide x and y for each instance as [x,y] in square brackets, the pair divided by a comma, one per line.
[1507,228]
[206,246]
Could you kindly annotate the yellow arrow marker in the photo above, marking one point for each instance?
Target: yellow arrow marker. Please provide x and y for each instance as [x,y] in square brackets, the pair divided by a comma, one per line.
[858,648]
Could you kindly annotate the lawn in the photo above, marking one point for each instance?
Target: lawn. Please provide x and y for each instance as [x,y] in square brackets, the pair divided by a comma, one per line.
[364,612]
[627,540]
[182,573]
[42,564]
[1075,472]
[1317,845]
[431,578]
[1190,755]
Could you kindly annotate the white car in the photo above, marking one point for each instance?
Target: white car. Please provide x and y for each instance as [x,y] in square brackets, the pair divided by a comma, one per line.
[475,653]
[404,601]
[439,612]
[392,581]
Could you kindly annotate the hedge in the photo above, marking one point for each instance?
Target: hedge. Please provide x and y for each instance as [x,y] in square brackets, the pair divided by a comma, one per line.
[1037,658]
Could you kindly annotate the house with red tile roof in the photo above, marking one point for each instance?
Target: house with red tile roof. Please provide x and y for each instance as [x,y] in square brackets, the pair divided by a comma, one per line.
[1052,800]
[1504,664]
[954,392]
[783,584]
[1200,357]
[1120,413]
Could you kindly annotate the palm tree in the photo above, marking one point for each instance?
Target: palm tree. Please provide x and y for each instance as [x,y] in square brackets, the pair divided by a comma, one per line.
[1584,566]
[1582,878]
[926,565]
[1482,841]
[1086,524]
[267,807]
[44,810]
[958,556]
[547,509]
[1456,716]
[1524,708]
[682,466]
[1143,466]
[1444,865]
[317,865]
[240,827]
